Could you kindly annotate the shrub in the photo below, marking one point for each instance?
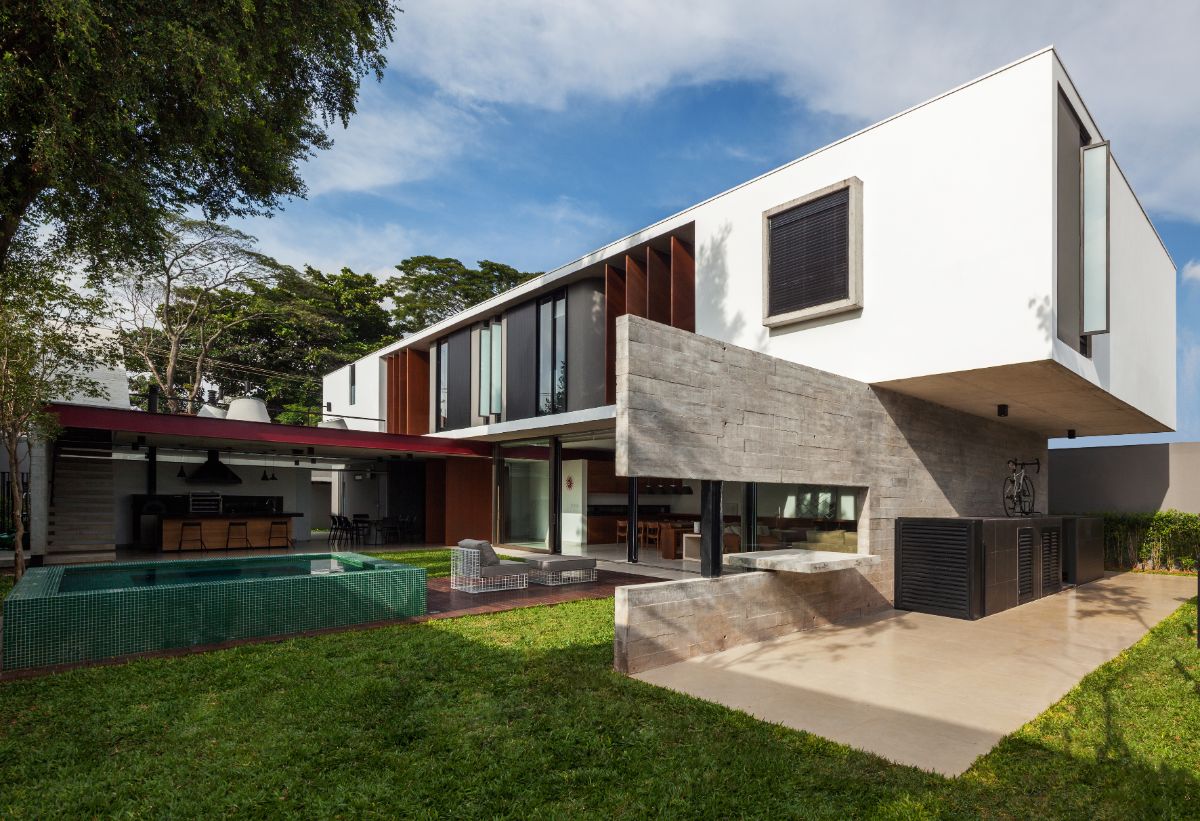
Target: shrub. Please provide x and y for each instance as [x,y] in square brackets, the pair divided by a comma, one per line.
[1162,540]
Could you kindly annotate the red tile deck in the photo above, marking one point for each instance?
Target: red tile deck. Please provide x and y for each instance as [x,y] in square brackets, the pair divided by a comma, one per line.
[441,603]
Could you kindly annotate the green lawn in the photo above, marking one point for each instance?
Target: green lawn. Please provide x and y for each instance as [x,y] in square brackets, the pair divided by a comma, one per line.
[436,562]
[519,714]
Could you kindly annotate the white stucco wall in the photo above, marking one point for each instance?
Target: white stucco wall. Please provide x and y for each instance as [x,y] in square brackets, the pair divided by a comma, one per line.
[957,239]
[370,382]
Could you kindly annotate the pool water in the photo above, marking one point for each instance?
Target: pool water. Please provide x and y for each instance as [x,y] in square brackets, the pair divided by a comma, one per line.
[169,573]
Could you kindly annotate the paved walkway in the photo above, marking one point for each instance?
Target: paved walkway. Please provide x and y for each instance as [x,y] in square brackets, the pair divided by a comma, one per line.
[930,691]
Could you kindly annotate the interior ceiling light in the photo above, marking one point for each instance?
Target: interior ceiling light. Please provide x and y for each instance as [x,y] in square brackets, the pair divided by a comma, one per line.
[265,477]
[180,474]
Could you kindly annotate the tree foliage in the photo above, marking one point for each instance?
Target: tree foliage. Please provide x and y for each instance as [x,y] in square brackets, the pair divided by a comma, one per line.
[50,347]
[114,113]
[431,288]
[175,306]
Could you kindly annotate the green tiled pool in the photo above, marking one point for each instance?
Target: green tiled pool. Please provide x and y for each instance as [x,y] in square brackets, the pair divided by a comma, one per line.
[60,615]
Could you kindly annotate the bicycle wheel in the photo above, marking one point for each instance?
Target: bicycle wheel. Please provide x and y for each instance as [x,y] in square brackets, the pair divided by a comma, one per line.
[1027,497]
[1012,505]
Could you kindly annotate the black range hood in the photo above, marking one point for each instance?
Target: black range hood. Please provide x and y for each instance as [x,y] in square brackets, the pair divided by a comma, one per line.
[213,472]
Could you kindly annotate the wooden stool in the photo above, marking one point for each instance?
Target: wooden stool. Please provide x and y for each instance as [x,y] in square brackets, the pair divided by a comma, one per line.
[279,530]
[653,531]
[238,531]
[192,532]
[622,531]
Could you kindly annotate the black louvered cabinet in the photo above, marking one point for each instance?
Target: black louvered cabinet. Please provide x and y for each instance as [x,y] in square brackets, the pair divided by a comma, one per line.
[969,568]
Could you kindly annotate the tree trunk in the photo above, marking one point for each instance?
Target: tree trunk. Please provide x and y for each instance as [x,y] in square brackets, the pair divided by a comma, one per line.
[18,506]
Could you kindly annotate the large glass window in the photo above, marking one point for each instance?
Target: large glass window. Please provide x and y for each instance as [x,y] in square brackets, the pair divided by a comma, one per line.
[485,370]
[814,516]
[525,494]
[1095,238]
[490,381]
[443,384]
[552,355]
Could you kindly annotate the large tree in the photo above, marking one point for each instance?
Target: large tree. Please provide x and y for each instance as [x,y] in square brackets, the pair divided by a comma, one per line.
[49,349]
[114,113]
[431,288]
[174,307]
[308,323]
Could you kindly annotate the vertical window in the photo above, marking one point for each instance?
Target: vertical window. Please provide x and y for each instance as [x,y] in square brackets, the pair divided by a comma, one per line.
[443,385]
[1094,221]
[497,371]
[485,370]
[552,355]
[353,385]
[490,374]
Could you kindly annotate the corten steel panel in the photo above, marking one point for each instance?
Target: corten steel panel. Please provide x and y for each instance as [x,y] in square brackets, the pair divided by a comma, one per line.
[614,306]
[520,362]
[1083,549]
[635,286]
[939,567]
[435,501]
[416,394]
[468,500]
[458,414]
[658,286]
[683,286]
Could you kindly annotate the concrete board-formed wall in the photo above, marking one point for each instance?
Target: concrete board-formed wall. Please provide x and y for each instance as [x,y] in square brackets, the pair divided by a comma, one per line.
[693,407]
[1126,478]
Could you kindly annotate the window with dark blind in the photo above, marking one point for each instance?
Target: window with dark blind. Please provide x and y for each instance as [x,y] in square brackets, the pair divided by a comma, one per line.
[812,256]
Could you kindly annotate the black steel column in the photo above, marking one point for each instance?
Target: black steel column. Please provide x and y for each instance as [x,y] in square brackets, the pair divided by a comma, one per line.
[711,526]
[750,516]
[497,494]
[631,533]
[555,495]
[152,471]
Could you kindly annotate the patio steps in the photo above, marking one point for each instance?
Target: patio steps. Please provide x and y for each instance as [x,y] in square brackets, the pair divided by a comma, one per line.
[82,519]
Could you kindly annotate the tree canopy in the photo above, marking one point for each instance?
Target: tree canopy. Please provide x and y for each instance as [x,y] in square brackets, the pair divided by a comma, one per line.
[112,114]
[431,288]
[50,347]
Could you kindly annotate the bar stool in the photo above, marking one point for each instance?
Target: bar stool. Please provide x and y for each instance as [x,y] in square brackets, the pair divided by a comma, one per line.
[623,531]
[279,530]
[641,534]
[238,531]
[192,532]
[653,531]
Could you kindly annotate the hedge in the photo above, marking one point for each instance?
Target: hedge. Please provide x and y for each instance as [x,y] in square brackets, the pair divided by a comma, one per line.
[1163,540]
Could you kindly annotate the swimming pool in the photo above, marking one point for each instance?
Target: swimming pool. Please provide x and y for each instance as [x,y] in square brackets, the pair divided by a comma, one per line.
[60,615]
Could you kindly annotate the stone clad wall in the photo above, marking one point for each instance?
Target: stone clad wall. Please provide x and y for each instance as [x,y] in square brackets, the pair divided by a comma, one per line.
[696,408]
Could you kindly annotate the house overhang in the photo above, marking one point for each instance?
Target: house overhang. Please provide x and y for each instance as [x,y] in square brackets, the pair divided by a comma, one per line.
[203,432]
[1042,396]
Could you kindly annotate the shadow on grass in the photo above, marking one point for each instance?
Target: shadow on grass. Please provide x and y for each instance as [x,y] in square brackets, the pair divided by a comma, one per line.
[516,714]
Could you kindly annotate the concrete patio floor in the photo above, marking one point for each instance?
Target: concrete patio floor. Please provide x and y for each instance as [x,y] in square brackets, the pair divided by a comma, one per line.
[930,691]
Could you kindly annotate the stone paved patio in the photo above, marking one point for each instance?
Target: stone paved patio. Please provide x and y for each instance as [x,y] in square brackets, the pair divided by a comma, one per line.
[929,691]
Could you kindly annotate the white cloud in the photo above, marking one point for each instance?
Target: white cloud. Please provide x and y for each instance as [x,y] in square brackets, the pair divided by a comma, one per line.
[1133,61]
[331,243]
[1191,271]
[391,141]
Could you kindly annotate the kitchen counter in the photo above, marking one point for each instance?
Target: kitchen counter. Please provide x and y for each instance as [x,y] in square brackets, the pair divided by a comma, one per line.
[216,533]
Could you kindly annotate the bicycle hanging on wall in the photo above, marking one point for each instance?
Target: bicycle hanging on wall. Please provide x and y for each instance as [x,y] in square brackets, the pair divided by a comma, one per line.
[1018,489]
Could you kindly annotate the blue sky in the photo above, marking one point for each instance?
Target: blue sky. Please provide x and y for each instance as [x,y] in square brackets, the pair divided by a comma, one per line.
[531,133]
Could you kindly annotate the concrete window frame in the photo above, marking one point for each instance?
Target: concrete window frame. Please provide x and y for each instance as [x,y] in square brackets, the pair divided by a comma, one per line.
[854,300]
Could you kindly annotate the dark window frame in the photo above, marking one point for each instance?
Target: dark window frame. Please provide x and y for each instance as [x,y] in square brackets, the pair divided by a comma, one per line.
[854,298]
[353,383]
